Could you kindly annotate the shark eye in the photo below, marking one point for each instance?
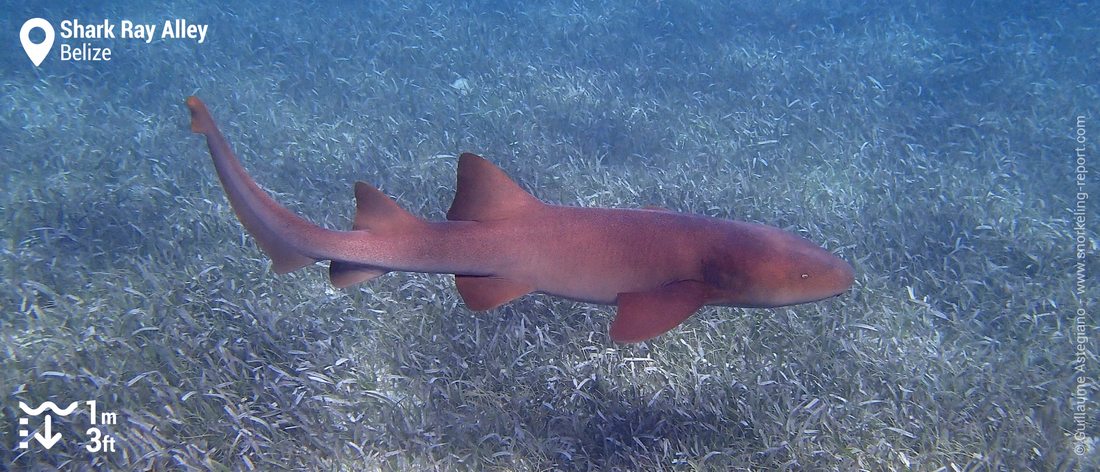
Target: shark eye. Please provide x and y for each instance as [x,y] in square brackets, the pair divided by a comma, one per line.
[805,276]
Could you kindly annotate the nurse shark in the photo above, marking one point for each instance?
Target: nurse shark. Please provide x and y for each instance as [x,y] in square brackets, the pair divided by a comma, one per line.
[500,243]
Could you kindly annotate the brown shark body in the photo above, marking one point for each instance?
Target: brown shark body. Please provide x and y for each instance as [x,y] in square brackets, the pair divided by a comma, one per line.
[501,243]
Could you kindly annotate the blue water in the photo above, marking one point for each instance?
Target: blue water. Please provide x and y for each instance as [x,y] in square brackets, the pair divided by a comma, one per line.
[934,145]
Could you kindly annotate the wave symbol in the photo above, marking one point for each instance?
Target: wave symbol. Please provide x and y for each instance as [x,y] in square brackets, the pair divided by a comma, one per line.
[51,405]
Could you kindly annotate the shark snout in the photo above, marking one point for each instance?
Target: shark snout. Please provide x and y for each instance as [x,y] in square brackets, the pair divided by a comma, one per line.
[843,276]
[823,276]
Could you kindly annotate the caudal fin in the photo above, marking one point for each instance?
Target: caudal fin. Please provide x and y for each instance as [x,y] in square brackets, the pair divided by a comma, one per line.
[285,237]
[201,121]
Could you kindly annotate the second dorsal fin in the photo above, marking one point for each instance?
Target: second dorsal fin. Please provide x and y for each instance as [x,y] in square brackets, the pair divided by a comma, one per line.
[377,213]
[486,193]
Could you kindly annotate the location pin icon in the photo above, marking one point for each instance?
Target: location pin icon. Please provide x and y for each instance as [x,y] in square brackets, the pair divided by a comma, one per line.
[37,52]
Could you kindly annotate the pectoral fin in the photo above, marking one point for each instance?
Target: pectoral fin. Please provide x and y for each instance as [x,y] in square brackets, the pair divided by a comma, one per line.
[645,315]
[486,293]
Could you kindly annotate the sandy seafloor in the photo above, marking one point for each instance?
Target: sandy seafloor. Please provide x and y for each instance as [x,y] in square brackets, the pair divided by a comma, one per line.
[932,145]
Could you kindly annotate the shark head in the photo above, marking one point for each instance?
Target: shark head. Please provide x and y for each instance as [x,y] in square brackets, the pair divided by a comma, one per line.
[769,267]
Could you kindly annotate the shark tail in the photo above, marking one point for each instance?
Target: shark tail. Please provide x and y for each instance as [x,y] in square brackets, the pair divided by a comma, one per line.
[282,235]
[290,241]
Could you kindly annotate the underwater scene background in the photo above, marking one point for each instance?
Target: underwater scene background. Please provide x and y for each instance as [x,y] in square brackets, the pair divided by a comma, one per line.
[935,145]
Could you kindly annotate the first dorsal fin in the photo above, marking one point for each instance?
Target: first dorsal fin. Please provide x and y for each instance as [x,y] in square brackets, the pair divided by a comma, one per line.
[486,193]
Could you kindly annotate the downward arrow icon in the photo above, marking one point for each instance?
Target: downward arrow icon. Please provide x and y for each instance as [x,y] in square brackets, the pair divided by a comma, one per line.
[47,437]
